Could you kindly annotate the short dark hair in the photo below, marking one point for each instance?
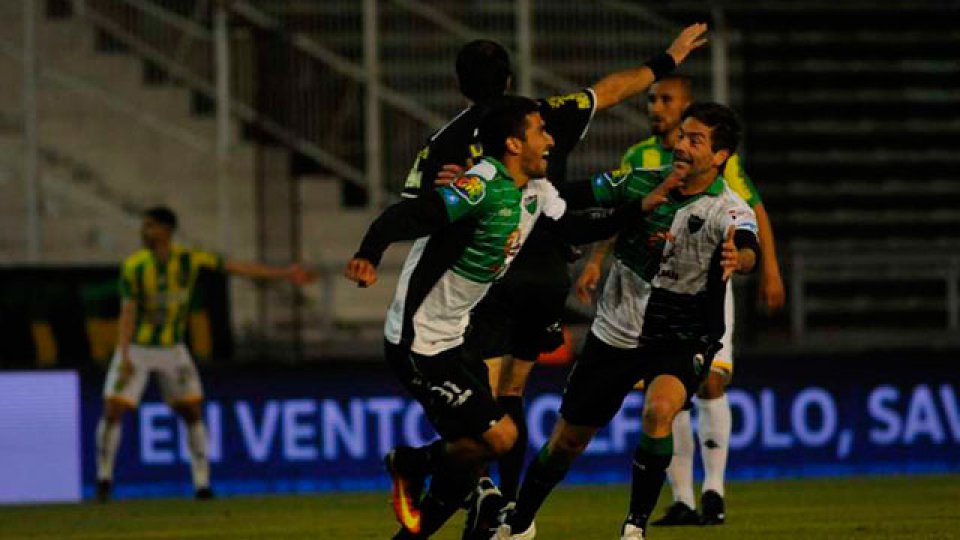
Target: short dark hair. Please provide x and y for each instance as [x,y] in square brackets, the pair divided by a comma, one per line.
[483,69]
[724,126]
[507,117]
[162,215]
[685,82]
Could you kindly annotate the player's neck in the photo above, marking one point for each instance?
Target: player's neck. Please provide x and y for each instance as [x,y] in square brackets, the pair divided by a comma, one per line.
[700,183]
[162,252]
[512,165]
[669,140]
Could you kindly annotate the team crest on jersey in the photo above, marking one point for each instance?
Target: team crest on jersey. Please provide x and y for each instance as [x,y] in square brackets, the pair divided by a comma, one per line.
[695,223]
[530,203]
[471,188]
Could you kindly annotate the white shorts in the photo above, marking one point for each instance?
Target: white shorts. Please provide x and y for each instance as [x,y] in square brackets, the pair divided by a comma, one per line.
[178,376]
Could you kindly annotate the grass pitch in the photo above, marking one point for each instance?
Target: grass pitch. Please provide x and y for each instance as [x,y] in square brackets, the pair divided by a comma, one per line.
[925,507]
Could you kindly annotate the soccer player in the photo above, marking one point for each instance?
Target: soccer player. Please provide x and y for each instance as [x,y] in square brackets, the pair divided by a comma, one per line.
[659,319]
[156,284]
[666,101]
[520,316]
[467,235]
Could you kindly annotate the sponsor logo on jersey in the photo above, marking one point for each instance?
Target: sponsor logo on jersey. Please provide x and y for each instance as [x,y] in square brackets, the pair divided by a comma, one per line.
[582,99]
[471,188]
[505,212]
[512,246]
[695,223]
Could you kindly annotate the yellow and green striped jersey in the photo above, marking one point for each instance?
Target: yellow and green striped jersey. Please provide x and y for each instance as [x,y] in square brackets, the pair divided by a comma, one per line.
[650,154]
[162,291]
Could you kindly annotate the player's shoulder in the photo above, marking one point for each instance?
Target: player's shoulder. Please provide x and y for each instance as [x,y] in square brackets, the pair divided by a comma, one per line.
[137,258]
[651,142]
[472,186]
[584,99]
[462,126]
[732,202]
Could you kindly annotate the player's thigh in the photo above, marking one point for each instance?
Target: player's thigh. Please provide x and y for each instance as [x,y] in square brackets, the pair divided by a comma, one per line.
[456,399]
[598,383]
[537,324]
[491,324]
[687,361]
[127,388]
[179,378]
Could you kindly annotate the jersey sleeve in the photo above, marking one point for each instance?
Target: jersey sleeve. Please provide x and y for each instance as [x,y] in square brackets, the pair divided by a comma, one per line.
[623,185]
[740,216]
[736,177]
[205,259]
[413,184]
[568,117]
[554,206]
[128,282]
[464,198]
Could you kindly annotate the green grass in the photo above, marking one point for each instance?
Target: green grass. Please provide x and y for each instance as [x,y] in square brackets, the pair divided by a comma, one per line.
[870,508]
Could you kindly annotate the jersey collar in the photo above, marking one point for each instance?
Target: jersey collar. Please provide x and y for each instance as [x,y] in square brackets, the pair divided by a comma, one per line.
[501,168]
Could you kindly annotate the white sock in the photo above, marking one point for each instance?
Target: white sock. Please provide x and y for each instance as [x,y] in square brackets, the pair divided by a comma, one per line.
[680,471]
[199,463]
[715,422]
[108,440]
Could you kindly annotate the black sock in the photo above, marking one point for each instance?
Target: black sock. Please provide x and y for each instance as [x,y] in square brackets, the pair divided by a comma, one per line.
[511,463]
[449,486]
[544,473]
[650,461]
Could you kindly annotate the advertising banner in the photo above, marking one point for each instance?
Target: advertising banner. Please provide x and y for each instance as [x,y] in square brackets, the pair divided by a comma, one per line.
[305,431]
[39,436]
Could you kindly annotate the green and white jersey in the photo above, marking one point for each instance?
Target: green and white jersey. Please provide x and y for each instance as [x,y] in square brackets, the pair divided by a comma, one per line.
[446,274]
[650,154]
[667,266]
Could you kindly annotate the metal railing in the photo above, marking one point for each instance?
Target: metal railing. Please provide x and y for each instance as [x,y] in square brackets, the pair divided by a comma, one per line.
[894,273]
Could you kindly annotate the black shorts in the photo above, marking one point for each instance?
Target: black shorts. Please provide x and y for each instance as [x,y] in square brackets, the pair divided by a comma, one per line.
[603,376]
[455,393]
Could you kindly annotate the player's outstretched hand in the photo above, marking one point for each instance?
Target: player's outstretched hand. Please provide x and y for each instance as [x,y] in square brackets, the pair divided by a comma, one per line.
[729,255]
[690,38]
[659,194]
[587,282]
[362,271]
[448,174]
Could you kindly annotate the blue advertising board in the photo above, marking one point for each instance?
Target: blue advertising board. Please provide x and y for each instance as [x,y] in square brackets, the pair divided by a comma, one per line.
[289,430]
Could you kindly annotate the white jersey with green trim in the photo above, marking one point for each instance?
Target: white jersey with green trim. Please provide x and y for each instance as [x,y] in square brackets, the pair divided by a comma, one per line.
[446,274]
[680,296]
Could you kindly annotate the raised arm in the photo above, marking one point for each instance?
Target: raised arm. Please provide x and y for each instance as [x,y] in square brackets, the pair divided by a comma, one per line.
[622,85]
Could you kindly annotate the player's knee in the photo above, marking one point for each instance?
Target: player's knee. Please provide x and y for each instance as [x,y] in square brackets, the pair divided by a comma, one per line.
[189,411]
[569,443]
[113,410]
[658,414]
